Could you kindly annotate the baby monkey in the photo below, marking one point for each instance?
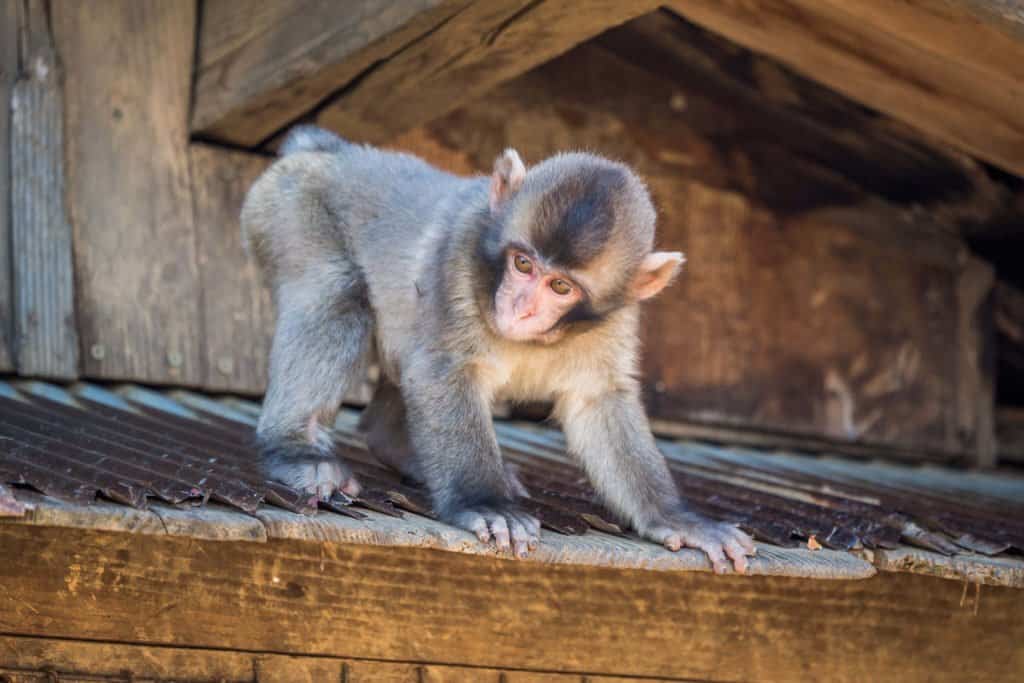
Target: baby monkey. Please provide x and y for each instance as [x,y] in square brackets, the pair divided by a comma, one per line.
[521,286]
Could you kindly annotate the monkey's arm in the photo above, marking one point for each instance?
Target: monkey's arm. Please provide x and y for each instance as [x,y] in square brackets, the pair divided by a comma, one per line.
[451,431]
[609,433]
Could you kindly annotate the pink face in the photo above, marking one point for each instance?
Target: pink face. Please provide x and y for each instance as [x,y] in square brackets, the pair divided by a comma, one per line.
[532,298]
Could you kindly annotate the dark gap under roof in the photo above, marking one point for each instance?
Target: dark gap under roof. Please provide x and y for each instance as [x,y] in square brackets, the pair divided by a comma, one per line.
[176,462]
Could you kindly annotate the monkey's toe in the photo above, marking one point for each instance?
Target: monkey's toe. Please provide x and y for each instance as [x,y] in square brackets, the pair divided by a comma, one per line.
[723,543]
[510,530]
[316,476]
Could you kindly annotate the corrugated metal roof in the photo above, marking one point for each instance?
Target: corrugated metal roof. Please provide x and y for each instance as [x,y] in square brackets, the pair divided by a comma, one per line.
[135,446]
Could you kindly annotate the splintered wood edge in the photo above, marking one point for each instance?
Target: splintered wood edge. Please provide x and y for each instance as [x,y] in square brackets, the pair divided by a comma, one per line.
[987,571]
[217,523]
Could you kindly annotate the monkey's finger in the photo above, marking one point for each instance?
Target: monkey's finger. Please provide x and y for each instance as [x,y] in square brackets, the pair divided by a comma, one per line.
[520,538]
[474,522]
[351,487]
[533,525]
[747,542]
[737,554]
[499,529]
[714,550]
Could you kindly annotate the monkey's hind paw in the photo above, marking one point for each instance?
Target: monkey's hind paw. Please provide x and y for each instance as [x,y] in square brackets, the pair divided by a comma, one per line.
[717,539]
[508,528]
[310,472]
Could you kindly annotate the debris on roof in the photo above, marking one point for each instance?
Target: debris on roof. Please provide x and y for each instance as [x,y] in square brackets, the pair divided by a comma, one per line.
[179,462]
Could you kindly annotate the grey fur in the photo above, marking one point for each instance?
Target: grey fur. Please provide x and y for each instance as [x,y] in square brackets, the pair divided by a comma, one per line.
[366,247]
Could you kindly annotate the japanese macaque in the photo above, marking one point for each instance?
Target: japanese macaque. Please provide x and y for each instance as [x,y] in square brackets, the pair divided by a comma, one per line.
[521,286]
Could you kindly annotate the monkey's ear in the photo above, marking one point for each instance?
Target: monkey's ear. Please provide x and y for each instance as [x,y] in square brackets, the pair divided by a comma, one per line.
[508,175]
[657,270]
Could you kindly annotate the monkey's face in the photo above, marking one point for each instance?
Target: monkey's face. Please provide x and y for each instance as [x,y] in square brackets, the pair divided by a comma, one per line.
[533,297]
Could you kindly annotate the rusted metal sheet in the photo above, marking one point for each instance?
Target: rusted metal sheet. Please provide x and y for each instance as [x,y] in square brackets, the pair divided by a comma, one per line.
[134,444]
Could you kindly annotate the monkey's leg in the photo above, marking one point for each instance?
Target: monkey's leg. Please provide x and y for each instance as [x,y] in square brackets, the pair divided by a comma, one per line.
[320,343]
[387,435]
[610,435]
[452,433]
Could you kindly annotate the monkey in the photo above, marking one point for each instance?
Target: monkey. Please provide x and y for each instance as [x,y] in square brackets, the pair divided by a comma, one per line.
[524,285]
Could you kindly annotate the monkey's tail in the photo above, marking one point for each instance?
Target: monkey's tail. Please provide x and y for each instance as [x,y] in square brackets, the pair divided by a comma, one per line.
[307,138]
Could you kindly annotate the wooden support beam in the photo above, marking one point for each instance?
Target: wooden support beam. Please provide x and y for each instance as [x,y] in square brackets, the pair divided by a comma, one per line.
[976,389]
[952,69]
[417,605]
[46,340]
[238,313]
[262,64]
[129,192]
[485,44]
[8,74]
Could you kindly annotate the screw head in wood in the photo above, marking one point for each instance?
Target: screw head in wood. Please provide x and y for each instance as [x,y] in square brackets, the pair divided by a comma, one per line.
[175,359]
[226,365]
[98,351]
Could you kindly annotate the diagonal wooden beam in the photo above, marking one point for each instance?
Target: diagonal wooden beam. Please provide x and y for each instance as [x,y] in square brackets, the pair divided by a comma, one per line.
[264,63]
[480,47]
[953,69]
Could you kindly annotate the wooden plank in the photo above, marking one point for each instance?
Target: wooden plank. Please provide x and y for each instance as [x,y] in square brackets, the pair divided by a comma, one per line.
[69,659]
[943,67]
[129,193]
[8,75]
[976,389]
[264,64]
[976,569]
[44,298]
[237,309]
[806,310]
[483,45]
[417,605]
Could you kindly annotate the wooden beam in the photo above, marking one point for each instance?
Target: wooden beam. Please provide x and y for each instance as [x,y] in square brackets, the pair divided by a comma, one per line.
[46,340]
[21,657]
[1010,434]
[976,388]
[8,74]
[483,45]
[263,64]
[952,69]
[237,309]
[417,605]
[127,96]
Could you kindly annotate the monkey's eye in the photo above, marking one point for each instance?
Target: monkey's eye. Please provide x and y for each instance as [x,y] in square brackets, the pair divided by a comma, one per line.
[523,264]
[560,287]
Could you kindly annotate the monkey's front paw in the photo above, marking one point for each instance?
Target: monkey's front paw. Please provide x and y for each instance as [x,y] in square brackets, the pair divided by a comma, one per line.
[310,471]
[508,527]
[717,539]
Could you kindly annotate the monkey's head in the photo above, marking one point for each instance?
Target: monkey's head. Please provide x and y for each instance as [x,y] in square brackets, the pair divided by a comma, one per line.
[569,242]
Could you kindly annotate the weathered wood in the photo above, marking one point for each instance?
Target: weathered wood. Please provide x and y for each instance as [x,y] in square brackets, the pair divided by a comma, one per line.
[978,569]
[442,607]
[127,97]
[237,309]
[69,659]
[264,64]
[1010,434]
[976,390]
[943,67]
[830,318]
[8,75]
[483,45]
[45,337]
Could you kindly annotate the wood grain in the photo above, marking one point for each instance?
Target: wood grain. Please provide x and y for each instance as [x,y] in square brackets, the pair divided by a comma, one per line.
[976,392]
[479,47]
[237,309]
[945,68]
[801,310]
[71,659]
[264,64]
[425,606]
[40,239]
[128,186]
[8,75]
